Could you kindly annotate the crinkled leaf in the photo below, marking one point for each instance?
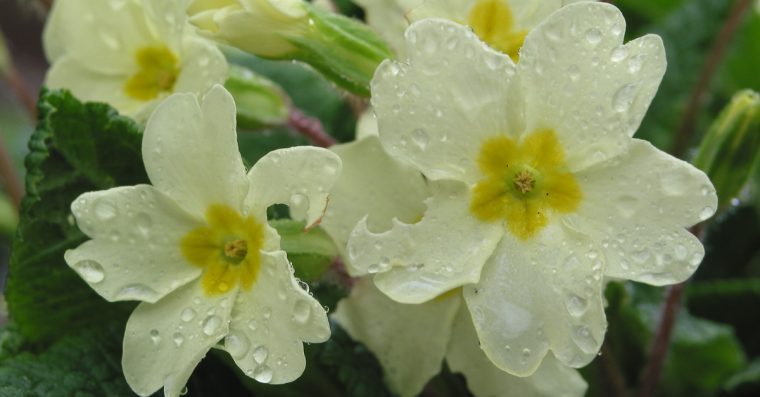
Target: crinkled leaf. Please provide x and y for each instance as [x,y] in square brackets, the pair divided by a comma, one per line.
[82,364]
[76,148]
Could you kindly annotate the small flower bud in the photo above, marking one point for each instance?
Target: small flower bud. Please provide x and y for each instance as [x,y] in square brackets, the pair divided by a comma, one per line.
[729,153]
[260,102]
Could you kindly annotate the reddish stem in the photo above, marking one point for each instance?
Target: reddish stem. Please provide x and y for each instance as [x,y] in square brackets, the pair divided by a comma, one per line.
[310,127]
[714,58]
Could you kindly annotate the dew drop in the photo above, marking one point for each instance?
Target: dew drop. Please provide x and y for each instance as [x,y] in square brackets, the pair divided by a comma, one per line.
[155,336]
[706,213]
[211,325]
[420,138]
[187,314]
[623,97]
[267,313]
[260,354]
[90,271]
[576,305]
[252,325]
[526,352]
[635,63]
[582,337]
[593,36]
[681,252]
[104,210]
[619,54]
[301,311]
[178,339]
[237,344]
[137,292]
[263,374]
[144,223]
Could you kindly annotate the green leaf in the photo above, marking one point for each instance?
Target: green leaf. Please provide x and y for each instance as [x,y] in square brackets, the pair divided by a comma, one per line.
[747,381]
[634,314]
[82,364]
[260,102]
[76,148]
[311,251]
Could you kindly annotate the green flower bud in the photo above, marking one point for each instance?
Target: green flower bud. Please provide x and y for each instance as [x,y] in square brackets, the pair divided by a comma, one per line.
[344,49]
[260,102]
[730,151]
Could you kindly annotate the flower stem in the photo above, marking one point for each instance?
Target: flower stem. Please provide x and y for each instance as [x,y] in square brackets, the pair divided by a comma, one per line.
[309,127]
[612,372]
[22,91]
[714,58]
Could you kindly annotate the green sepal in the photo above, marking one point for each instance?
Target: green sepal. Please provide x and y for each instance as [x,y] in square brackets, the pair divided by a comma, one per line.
[730,151]
[343,49]
[260,102]
[311,251]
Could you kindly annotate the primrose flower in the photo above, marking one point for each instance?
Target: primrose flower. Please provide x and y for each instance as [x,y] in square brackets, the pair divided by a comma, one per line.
[128,53]
[502,24]
[541,191]
[196,249]
[411,342]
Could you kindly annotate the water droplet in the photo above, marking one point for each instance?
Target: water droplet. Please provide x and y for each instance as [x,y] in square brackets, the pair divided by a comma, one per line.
[237,344]
[526,352]
[90,271]
[635,63]
[211,325]
[184,391]
[137,292]
[574,72]
[576,305]
[155,336]
[187,314]
[260,354]
[298,200]
[178,339]
[681,252]
[143,222]
[641,256]
[619,53]
[706,213]
[572,261]
[593,36]
[624,97]
[104,210]
[582,337]
[263,374]
[267,313]
[420,138]
[109,40]
[301,311]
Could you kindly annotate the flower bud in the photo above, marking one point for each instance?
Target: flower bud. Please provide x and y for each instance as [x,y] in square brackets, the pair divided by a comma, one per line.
[260,102]
[729,153]
[343,49]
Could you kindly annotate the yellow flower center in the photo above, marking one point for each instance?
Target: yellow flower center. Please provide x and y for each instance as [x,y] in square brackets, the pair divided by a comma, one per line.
[493,22]
[227,249]
[157,72]
[524,183]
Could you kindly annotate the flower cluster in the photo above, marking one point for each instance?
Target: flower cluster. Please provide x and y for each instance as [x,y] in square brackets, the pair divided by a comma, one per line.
[493,190]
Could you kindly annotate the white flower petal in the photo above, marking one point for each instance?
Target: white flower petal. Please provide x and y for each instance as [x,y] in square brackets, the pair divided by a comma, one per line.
[375,185]
[135,252]
[444,250]
[191,153]
[579,80]
[637,206]
[298,176]
[538,295]
[91,85]
[202,64]
[435,110]
[366,125]
[409,340]
[164,341]
[107,32]
[271,321]
[551,379]
[389,19]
